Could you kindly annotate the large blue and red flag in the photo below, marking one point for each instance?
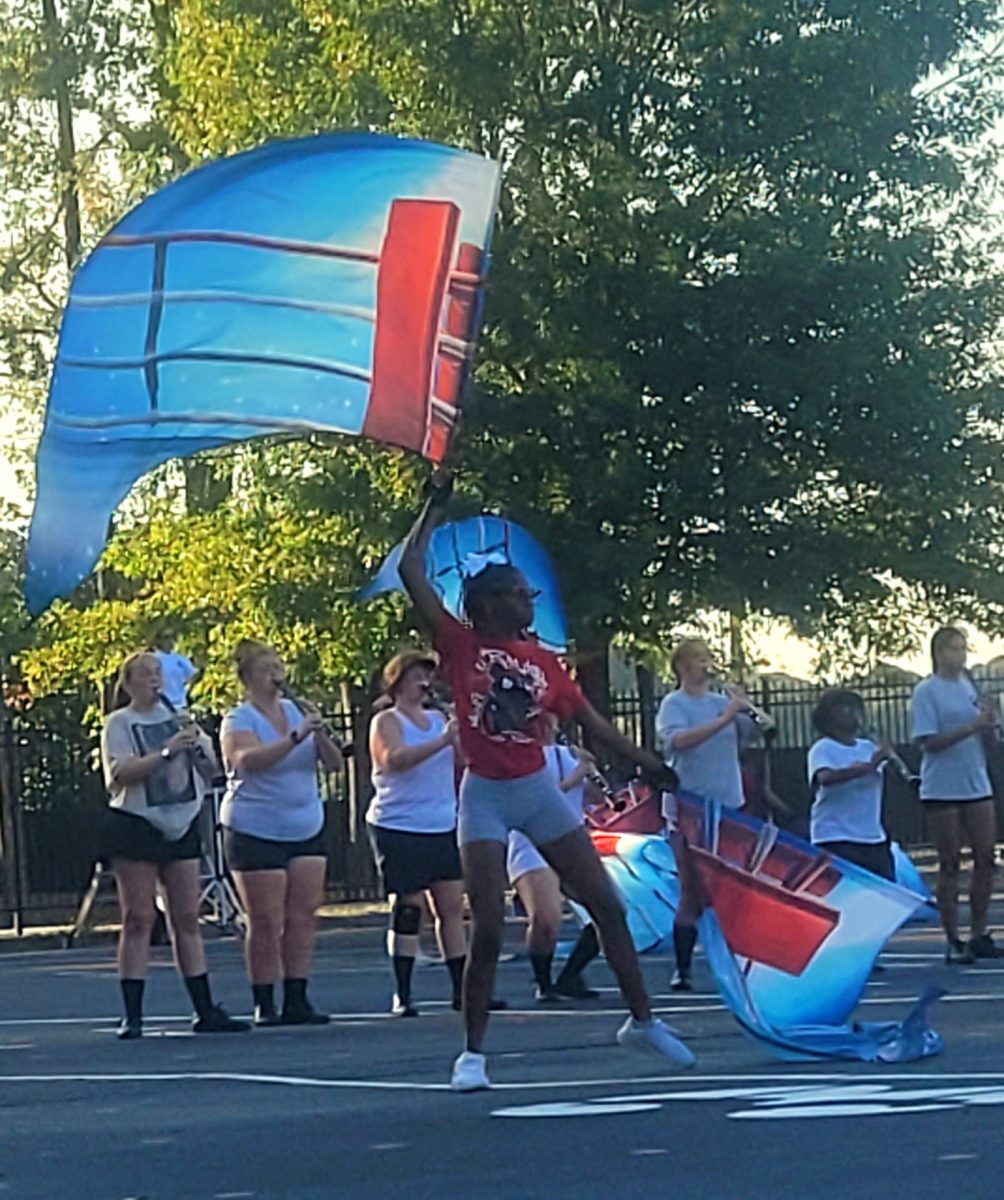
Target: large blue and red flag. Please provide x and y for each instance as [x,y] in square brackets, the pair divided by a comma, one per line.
[791,933]
[325,284]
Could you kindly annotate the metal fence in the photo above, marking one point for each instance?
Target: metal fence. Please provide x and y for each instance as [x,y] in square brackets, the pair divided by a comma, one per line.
[52,797]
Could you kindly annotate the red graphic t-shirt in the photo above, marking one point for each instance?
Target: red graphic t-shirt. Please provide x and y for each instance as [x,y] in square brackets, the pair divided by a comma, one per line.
[501,688]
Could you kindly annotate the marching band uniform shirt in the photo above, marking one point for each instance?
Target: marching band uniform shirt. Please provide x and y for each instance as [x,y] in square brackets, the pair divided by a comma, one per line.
[711,769]
[960,772]
[501,687]
[423,798]
[171,797]
[850,811]
[283,802]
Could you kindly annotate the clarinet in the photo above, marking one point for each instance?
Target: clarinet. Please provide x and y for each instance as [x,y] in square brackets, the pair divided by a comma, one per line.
[303,709]
[893,759]
[181,720]
[991,735]
[594,775]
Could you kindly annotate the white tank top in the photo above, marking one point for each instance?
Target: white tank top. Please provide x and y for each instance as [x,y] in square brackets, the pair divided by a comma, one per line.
[422,799]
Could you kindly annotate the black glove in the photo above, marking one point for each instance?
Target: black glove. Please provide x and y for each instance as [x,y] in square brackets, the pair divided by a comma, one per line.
[438,487]
[664,780]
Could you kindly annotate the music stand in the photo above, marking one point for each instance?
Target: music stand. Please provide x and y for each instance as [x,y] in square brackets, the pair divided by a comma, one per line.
[217,895]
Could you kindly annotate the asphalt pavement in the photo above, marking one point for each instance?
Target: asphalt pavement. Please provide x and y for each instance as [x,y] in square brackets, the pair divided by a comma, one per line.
[361,1108]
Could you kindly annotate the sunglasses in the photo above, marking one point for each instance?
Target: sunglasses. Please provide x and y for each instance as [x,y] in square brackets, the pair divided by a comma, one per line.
[524,593]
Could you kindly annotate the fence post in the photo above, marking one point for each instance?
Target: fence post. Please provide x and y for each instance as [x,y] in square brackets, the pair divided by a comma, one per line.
[646,700]
[9,803]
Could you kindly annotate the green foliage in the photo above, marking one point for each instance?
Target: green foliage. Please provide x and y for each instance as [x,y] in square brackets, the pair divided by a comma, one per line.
[736,354]
[279,560]
[739,337]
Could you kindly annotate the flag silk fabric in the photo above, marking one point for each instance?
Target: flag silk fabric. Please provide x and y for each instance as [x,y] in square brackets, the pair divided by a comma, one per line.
[790,933]
[461,548]
[324,284]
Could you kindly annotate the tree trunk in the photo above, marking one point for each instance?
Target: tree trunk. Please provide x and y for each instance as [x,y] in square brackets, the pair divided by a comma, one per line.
[66,151]
[205,489]
[592,670]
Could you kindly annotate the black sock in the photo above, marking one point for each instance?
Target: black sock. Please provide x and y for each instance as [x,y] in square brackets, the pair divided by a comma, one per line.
[583,953]
[198,989]
[541,964]
[456,968]
[132,998]
[294,994]
[403,965]
[684,939]
[263,995]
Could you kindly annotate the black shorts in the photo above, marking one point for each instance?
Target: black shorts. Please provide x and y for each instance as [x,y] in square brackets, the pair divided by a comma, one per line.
[246,853]
[411,862]
[873,856]
[134,839]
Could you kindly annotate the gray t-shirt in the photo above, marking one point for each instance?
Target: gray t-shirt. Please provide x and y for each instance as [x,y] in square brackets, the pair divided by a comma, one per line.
[711,769]
[960,772]
[283,802]
[171,797]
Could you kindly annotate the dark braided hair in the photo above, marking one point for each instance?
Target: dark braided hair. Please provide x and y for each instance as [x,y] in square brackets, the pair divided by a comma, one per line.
[477,589]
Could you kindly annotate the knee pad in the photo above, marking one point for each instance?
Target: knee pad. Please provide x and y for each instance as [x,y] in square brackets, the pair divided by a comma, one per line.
[405,919]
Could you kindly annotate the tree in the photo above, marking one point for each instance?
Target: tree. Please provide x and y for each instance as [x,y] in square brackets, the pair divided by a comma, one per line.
[737,353]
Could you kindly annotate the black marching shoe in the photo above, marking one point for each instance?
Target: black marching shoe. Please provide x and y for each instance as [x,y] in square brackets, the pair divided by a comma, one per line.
[218,1020]
[959,954]
[547,995]
[681,981]
[266,1016]
[401,1006]
[983,947]
[130,1029]
[575,988]
[493,1005]
[303,1013]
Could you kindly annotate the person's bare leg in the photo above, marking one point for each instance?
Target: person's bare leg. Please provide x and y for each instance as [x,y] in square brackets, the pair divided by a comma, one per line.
[137,886]
[304,893]
[485,879]
[944,826]
[540,893]
[579,867]
[181,882]
[979,822]
[447,900]
[263,894]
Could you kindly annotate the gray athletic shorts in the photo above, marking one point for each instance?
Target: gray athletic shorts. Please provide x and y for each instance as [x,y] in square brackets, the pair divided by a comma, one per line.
[533,804]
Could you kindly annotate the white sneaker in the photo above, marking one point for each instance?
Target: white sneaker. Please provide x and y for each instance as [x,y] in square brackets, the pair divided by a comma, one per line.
[653,1037]
[469,1074]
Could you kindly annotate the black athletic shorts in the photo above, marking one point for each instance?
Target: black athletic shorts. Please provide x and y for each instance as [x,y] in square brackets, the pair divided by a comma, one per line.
[134,839]
[411,862]
[873,856]
[246,853]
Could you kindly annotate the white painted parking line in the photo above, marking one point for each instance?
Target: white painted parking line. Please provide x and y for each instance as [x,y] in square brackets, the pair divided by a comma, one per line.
[982,1087]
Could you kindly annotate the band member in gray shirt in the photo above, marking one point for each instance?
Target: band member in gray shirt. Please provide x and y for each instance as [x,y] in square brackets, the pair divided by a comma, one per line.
[951,720]
[700,733]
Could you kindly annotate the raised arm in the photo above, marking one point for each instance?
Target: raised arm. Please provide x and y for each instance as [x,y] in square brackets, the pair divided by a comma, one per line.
[412,565]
